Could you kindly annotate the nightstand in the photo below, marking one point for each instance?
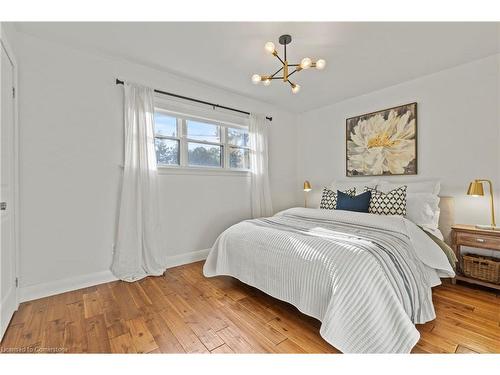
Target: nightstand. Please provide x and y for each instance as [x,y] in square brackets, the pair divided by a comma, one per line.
[469,235]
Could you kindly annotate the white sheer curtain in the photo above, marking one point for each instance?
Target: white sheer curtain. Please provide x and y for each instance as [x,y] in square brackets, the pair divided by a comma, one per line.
[137,251]
[261,193]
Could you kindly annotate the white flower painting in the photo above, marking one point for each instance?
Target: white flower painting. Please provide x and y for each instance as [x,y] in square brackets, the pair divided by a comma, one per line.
[383,142]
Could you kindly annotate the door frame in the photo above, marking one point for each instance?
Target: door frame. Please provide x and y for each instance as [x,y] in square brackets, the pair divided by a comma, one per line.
[4,43]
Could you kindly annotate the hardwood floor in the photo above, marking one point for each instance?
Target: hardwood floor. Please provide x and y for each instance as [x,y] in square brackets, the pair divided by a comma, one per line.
[184,312]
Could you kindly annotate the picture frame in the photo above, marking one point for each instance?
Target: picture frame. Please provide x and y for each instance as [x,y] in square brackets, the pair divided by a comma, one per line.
[382,143]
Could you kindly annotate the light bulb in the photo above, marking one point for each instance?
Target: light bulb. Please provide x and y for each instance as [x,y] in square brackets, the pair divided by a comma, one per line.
[305,63]
[320,64]
[256,79]
[295,88]
[266,82]
[269,46]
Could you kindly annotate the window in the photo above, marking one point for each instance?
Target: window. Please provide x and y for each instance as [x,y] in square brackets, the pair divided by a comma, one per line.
[183,141]
[208,150]
[239,153]
[166,139]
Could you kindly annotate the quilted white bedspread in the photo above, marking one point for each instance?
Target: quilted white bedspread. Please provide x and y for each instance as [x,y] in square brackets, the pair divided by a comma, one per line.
[366,277]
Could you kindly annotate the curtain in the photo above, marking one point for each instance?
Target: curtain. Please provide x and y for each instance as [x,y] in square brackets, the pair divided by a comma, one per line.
[261,193]
[137,250]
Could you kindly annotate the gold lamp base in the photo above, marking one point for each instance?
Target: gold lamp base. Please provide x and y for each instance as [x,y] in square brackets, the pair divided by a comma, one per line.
[487,227]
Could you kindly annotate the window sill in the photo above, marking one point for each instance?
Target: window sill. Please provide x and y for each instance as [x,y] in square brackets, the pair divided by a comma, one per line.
[202,171]
[162,170]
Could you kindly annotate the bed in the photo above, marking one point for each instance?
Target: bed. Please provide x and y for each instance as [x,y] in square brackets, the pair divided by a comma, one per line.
[366,277]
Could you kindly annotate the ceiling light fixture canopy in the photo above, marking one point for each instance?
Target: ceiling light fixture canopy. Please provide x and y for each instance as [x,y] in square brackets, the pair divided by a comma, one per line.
[305,63]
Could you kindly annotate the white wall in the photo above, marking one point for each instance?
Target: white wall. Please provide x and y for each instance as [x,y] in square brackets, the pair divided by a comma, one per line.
[71,149]
[458,133]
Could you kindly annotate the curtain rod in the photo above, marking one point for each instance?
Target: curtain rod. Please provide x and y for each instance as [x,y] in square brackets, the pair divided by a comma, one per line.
[120,82]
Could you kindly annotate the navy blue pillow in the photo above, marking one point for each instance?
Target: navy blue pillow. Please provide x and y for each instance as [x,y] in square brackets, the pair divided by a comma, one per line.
[358,203]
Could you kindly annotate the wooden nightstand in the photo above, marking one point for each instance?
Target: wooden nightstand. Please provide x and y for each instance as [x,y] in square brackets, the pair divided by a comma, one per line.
[469,235]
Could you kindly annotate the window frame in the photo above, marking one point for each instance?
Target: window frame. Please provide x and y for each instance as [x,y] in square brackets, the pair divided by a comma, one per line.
[183,167]
[161,136]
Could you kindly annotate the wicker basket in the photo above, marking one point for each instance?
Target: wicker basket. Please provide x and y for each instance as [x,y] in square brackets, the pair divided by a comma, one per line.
[482,268]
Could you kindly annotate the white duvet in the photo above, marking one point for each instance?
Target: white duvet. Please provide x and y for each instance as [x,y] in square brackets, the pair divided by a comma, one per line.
[366,277]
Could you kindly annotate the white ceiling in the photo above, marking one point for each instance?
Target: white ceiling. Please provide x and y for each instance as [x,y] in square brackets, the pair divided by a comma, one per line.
[361,57]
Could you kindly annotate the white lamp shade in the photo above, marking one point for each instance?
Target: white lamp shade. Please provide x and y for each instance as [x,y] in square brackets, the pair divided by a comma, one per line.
[305,63]
[320,64]
[256,78]
[270,47]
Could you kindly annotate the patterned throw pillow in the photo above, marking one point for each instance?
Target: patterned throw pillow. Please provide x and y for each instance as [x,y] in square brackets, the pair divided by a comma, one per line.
[391,203]
[329,198]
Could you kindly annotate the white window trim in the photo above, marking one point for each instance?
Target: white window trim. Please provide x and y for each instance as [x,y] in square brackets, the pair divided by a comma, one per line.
[203,171]
[183,168]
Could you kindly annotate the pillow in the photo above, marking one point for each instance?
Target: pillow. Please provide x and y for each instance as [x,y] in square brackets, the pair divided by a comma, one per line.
[431,186]
[351,184]
[329,198]
[422,201]
[358,203]
[423,209]
[391,203]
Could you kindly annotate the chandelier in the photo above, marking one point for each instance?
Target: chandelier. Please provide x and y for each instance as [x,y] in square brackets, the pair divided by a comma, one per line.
[305,63]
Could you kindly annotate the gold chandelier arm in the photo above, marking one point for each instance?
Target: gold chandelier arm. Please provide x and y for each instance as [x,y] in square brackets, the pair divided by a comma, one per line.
[296,70]
[279,70]
[278,57]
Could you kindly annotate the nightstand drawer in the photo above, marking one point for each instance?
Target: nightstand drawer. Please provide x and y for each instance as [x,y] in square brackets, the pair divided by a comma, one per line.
[478,240]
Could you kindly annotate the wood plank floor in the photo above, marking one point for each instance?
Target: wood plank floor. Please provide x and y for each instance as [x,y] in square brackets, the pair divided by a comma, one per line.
[183,312]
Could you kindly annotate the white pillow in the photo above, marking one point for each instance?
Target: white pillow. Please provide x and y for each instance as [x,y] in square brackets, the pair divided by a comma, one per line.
[431,186]
[422,201]
[347,185]
[423,209]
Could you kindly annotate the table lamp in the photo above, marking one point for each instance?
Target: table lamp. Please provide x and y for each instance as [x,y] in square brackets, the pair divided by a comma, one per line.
[307,189]
[476,190]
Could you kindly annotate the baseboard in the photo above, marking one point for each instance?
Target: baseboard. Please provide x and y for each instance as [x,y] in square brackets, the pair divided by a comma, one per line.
[8,306]
[51,288]
[186,258]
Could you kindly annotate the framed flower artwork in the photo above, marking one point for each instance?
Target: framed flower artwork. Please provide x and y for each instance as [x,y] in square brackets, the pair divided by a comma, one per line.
[382,143]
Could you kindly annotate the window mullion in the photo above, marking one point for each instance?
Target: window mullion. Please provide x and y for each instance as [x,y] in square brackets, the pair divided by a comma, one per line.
[225,160]
[183,143]
[159,136]
[204,142]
